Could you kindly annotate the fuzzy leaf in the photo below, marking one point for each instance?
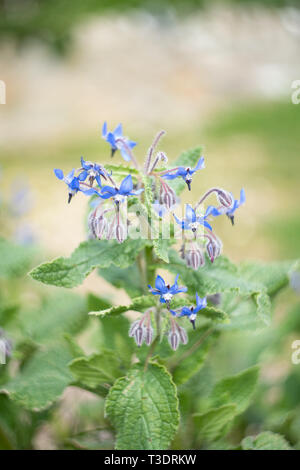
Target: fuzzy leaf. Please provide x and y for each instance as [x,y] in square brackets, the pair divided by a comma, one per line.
[223,276]
[188,366]
[70,272]
[237,389]
[121,170]
[143,408]
[42,380]
[213,424]
[265,441]
[126,278]
[161,247]
[15,259]
[59,314]
[97,370]
[148,193]
[138,304]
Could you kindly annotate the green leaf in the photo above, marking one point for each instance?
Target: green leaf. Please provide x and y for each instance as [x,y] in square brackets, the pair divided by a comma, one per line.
[223,276]
[273,276]
[42,380]
[15,259]
[138,304]
[97,303]
[237,389]
[74,349]
[128,279]
[148,193]
[112,332]
[188,366]
[122,170]
[96,371]
[143,408]
[161,247]
[70,272]
[59,314]
[17,426]
[213,424]
[265,441]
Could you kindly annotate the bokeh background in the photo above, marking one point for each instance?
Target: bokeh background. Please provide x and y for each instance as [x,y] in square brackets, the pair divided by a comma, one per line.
[215,73]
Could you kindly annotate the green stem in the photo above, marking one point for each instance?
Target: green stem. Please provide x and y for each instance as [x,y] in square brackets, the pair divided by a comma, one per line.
[150,268]
[142,271]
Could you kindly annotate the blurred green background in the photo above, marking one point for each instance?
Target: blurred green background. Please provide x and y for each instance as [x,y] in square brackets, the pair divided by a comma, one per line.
[212,73]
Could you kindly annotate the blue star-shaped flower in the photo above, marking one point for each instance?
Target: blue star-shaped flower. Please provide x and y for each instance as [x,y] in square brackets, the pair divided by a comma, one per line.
[191,312]
[126,189]
[91,170]
[229,212]
[166,292]
[73,183]
[191,221]
[117,141]
[185,173]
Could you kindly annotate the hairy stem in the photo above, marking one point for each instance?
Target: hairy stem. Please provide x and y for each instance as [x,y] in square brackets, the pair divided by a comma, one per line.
[210,191]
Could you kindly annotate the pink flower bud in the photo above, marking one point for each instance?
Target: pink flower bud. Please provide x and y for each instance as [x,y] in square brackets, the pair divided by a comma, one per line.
[182,335]
[120,233]
[195,258]
[167,196]
[92,224]
[225,199]
[173,339]
[148,335]
[139,335]
[213,248]
[100,226]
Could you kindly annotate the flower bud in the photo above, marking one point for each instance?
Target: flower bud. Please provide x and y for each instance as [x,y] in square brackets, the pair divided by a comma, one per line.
[225,199]
[120,233]
[182,335]
[167,196]
[92,224]
[213,248]
[194,258]
[5,347]
[100,226]
[133,327]
[148,335]
[173,339]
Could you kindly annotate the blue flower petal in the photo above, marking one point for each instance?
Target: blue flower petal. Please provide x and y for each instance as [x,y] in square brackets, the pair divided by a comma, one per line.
[200,165]
[125,154]
[104,130]
[59,173]
[83,175]
[111,140]
[118,131]
[160,284]
[190,215]
[242,196]
[126,186]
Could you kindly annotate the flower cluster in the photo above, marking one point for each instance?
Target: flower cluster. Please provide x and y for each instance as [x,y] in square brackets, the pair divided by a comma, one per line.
[109,219]
[142,331]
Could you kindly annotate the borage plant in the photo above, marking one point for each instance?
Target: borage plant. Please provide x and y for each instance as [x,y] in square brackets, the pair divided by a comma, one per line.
[136,228]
